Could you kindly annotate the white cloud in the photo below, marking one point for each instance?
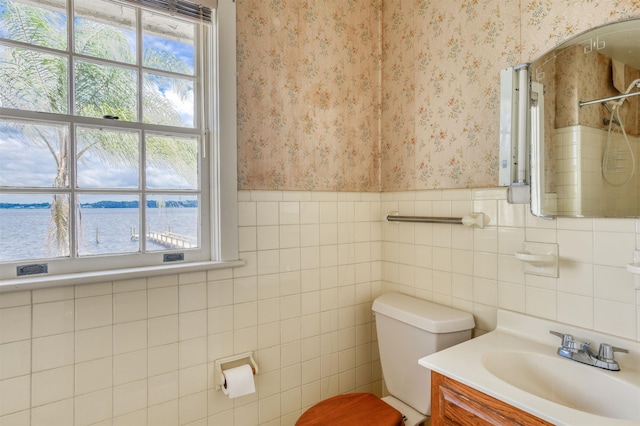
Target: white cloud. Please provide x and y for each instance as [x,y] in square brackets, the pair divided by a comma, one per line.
[183,106]
[25,165]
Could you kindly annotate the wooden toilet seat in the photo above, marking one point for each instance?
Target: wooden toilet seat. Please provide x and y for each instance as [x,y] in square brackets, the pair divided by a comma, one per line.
[351,409]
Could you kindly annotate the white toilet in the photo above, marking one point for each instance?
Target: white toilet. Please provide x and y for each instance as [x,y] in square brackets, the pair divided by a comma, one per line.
[408,329]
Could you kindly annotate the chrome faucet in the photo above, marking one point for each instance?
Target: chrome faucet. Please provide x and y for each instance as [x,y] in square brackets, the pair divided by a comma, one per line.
[582,352]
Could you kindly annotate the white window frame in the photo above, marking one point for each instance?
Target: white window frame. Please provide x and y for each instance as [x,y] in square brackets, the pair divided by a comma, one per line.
[222,158]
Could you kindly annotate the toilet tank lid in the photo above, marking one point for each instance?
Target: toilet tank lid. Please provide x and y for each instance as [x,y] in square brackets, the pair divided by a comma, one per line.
[422,314]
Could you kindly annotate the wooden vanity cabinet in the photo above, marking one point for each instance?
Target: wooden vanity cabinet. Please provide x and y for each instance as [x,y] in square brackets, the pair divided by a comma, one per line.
[453,403]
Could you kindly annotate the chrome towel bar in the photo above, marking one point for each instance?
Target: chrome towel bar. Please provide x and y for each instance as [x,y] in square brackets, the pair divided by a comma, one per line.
[473,220]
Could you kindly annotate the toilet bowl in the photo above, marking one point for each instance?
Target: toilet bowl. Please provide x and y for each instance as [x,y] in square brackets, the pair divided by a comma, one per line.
[407,329]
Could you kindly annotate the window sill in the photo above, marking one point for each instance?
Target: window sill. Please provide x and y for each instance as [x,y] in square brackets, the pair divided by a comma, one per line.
[44,281]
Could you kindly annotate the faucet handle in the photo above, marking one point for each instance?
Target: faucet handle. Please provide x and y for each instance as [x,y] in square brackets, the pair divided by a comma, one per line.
[606,352]
[567,341]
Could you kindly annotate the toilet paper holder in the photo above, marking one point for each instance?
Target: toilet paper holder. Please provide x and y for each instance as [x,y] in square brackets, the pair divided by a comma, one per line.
[219,365]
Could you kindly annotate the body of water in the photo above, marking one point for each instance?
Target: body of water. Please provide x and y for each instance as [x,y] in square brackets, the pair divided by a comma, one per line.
[23,232]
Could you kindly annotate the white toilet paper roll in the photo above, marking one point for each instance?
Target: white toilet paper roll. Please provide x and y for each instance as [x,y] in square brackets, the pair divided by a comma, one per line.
[239,381]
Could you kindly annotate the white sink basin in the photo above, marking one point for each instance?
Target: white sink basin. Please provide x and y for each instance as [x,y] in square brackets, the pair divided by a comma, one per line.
[567,382]
[517,364]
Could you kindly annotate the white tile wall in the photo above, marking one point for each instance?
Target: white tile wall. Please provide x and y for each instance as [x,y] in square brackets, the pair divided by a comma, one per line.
[579,183]
[140,352]
[593,289]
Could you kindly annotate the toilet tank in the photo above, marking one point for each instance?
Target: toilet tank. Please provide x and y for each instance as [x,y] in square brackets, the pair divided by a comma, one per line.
[409,329]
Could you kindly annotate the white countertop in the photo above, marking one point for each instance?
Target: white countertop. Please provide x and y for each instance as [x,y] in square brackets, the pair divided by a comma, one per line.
[521,333]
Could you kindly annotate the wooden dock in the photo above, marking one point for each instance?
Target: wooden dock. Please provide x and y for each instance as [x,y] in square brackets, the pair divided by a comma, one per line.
[172,240]
[166,239]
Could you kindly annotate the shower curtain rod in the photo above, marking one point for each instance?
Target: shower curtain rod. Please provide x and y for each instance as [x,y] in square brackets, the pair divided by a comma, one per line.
[611,98]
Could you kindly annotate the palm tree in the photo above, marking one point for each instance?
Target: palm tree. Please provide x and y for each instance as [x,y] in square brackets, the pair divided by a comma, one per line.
[38,81]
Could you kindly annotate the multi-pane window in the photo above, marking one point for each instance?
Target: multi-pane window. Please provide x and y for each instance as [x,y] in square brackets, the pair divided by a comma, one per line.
[104,110]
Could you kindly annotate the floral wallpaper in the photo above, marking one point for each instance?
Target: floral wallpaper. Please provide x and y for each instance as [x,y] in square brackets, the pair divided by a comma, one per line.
[441,91]
[371,95]
[308,94]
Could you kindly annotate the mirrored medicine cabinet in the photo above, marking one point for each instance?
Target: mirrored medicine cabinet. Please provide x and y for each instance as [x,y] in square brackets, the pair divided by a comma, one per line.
[585,125]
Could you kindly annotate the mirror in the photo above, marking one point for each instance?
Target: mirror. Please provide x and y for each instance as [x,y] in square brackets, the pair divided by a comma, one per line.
[585,121]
